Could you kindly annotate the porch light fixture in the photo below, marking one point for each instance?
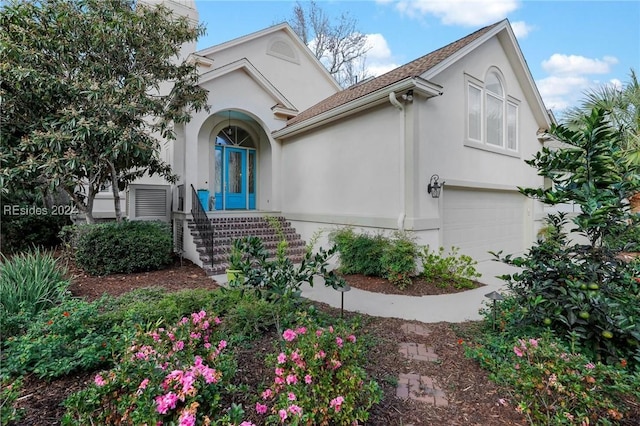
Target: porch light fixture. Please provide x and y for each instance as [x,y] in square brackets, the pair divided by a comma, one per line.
[408,96]
[494,296]
[434,186]
[229,130]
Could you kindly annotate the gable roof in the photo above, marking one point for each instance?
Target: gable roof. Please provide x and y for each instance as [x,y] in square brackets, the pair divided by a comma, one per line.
[416,73]
[413,69]
[283,27]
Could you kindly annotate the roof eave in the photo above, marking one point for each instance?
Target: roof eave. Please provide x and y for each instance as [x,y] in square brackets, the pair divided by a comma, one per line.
[419,86]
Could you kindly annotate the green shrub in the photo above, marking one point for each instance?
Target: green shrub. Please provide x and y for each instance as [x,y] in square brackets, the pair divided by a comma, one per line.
[124,247]
[360,253]
[196,367]
[25,232]
[318,379]
[624,236]
[30,282]
[9,392]
[549,384]
[448,270]
[69,337]
[399,259]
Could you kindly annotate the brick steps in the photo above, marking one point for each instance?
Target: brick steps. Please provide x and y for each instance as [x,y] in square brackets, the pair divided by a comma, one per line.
[226,229]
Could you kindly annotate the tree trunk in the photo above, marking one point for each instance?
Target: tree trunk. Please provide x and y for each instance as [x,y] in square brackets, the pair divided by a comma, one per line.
[116,192]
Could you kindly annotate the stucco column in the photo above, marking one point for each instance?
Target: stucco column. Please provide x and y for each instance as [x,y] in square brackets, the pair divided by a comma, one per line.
[190,161]
[276,175]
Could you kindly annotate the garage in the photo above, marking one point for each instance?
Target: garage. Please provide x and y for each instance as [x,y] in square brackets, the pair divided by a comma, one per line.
[478,221]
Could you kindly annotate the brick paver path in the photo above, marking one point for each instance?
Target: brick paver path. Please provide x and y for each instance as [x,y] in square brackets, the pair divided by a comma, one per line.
[415,386]
[415,329]
[420,388]
[417,351]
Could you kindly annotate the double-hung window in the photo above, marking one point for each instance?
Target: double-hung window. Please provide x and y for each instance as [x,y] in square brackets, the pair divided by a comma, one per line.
[492,116]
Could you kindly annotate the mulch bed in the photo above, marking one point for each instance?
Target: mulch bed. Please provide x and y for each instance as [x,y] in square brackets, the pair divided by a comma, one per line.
[473,398]
[418,286]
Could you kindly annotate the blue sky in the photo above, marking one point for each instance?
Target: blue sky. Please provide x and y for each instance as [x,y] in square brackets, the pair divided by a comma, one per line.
[570,46]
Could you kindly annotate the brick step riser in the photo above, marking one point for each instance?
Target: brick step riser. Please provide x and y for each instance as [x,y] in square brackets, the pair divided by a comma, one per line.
[245,231]
[221,268]
[223,248]
[229,241]
[220,258]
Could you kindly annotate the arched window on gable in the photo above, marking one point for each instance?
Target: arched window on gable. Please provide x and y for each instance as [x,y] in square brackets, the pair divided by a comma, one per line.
[492,115]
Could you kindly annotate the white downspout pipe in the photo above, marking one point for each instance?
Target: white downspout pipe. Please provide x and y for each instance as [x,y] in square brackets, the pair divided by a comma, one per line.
[394,101]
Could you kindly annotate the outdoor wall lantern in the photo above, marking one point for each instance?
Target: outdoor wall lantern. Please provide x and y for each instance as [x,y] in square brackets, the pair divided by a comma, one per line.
[434,187]
[494,296]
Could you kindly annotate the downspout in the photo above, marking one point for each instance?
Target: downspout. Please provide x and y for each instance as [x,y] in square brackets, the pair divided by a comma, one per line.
[397,104]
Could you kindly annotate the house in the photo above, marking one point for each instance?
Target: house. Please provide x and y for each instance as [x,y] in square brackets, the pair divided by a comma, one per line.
[283,138]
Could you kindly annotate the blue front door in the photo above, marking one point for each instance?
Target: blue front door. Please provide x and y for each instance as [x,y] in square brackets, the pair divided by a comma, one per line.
[235,178]
[235,161]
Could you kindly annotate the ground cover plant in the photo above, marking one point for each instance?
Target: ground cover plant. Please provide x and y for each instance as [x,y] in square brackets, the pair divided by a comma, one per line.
[158,301]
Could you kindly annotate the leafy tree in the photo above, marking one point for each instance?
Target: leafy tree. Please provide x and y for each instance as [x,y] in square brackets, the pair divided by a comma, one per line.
[87,88]
[590,170]
[622,107]
[339,46]
[584,292]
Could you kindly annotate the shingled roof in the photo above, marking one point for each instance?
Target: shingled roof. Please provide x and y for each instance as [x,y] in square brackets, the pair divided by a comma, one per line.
[414,68]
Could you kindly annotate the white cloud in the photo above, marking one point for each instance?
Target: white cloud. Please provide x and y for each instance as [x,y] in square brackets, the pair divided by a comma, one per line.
[577,65]
[379,59]
[560,92]
[459,12]
[521,29]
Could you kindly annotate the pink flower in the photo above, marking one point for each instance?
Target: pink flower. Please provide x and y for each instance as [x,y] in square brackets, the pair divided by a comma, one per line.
[187,419]
[517,366]
[207,345]
[336,403]
[247,424]
[166,402]
[282,358]
[295,356]
[301,330]
[279,371]
[518,351]
[336,364]
[292,379]
[178,346]
[267,394]
[289,335]
[339,342]
[352,338]
[217,321]
[291,396]
[533,342]
[261,408]
[143,384]
[590,366]
[278,381]
[307,379]
[283,415]
[222,344]
[330,329]
[318,333]
[295,410]
[99,381]
[321,354]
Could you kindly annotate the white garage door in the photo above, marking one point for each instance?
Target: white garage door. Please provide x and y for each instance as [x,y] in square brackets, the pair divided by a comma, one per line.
[478,221]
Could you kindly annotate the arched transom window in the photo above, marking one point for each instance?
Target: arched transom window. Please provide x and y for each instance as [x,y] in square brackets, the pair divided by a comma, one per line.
[492,116]
[236,136]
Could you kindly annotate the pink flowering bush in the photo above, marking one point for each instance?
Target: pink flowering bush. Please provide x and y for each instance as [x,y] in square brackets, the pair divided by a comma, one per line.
[550,385]
[318,379]
[172,376]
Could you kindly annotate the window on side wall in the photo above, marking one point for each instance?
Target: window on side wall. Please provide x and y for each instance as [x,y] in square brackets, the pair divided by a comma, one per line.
[492,115]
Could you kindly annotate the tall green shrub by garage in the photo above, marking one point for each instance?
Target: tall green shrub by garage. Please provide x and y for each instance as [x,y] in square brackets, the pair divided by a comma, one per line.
[125,247]
[360,253]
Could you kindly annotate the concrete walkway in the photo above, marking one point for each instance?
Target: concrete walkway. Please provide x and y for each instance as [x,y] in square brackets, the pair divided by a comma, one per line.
[457,307]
